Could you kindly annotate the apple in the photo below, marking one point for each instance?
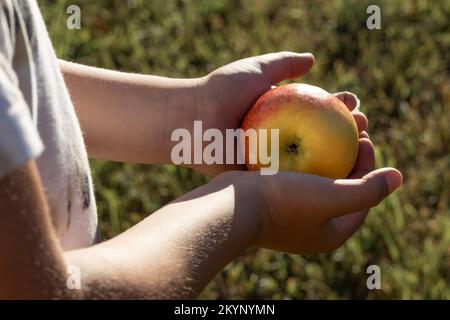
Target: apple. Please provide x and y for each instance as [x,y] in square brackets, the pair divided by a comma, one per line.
[317,132]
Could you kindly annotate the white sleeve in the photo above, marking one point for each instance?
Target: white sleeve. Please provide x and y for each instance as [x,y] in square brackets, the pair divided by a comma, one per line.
[19,138]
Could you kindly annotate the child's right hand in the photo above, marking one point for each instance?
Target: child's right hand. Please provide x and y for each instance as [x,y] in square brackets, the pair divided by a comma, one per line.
[303,213]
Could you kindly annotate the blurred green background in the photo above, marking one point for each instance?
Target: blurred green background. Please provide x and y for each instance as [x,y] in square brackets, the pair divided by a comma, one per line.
[400,73]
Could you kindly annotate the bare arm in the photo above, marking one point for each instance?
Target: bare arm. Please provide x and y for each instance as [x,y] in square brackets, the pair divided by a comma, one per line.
[172,254]
[130,117]
[31,263]
[176,251]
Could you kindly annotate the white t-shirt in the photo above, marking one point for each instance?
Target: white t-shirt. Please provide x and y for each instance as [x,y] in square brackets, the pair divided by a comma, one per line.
[38,121]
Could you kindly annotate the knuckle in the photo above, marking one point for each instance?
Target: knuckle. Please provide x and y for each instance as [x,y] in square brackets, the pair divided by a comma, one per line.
[285,53]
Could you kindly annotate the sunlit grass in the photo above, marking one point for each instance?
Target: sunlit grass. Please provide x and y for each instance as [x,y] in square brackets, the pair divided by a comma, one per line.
[400,74]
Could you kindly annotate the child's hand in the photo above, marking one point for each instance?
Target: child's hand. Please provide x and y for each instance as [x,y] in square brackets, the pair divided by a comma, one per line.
[231,90]
[309,214]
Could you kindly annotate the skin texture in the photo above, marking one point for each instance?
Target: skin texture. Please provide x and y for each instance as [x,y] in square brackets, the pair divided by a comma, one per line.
[317,132]
[177,250]
[31,263]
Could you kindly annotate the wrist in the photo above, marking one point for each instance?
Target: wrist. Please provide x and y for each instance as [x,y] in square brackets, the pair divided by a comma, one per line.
[250,209]
[204,103]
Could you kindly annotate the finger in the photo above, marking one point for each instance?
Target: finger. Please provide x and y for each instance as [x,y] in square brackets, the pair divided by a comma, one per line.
[285,65]
[352,103]
[344,227]
[365,162]
[364,135]
[361,120]
[327,198]
[352,195]
[349,99]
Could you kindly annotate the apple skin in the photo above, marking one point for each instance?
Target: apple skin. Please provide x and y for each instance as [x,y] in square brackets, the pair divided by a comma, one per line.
[317,132]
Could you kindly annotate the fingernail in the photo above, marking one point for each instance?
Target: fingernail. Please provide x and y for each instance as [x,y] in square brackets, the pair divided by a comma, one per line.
[394,180]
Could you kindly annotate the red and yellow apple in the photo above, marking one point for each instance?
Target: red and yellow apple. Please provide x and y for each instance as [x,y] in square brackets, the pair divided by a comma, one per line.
[317,132]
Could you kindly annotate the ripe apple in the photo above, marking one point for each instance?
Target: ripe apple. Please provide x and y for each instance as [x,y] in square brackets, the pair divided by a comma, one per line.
[317,132]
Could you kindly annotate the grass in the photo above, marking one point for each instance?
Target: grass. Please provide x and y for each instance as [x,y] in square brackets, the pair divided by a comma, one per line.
[400,73]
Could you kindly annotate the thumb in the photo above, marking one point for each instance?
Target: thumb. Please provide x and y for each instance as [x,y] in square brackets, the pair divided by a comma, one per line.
[285,65]
[354,195]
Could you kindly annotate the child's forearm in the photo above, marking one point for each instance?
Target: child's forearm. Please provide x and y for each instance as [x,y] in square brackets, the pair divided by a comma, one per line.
[130,117]
[172,254]
[175,252]
[31,262]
